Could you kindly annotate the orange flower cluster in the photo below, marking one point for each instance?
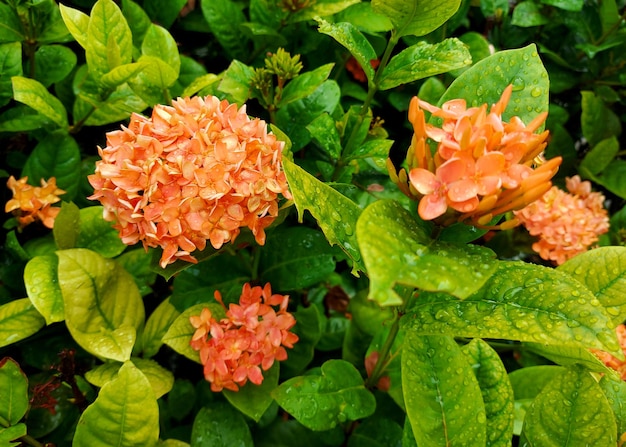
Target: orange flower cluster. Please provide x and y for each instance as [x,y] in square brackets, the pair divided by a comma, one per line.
[198,170]
[610,361]
[482,167]
[31,203]
[566,223]
[253,335]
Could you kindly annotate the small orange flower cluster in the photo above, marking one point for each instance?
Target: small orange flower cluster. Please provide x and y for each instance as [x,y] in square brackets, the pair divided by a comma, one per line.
[609,360]
[196,171]
[567,224]
[482,167]
[31,203]
[253,335]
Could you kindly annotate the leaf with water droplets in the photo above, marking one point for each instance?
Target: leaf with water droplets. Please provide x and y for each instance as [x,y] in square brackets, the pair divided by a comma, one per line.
[523,302]
[485,81]
[442,397]
[603,272]
[615,392]
[218,424]
[335,213]
[321,402]
[496,391]
[404,254]
[570,411]
[416,17]
[254,400]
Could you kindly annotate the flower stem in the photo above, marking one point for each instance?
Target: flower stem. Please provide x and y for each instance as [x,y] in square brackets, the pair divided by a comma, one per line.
[385,351]
[29,440]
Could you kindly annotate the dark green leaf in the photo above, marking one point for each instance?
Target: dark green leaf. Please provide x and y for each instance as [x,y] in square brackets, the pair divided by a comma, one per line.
[20,118]
[323,129]
[376,432]
[137,20]
[527,14]
[416,17]
[225,17]
[308,329]
[598,122]
[138,263]
[157,325]
[220,425]
[14,392]
[53,63]
[10,65]
[254,400]
[613,178]
[599,157]
[567,5]
[10,25]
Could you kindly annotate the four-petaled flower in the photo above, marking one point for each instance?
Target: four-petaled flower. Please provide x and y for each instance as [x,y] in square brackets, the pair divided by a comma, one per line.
[247,341]
[195,171]
[31,203]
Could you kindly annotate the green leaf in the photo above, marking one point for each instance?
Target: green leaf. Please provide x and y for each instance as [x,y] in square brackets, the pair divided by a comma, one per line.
[157,325]
[603,272]
[14,392]
[442,396]
[364,18]
[235,82]
[53,63]
[354,41]
[254,400]
[615,392]
[57,155]
[321,8]
[201,83]
[20,118]
[304,84]
[416,17]
[12,433]
[137,20]
[479,48]
[308,328]
[323,129]
[527,14]
[519,302]
[296,258]
[164,12]
[320,402]
[35,95]
[103,307]
[582,413]
[180,332]
[97,234]
[159,43]
[109,40]
[335,213]
[613,178]
[598,121]
[18,320]
[528,382]
[121,74]
[496,391]
[10,65]
[11,29]
[125,413]
[225,18]
[569,356]
[77,23]
[138,263]
[40,279]
[423,60]
[118,106]
[567,5]
[161,380]
[522,68]
[404,254]
[67,226]
[155,73]
[220,425]
[599,157]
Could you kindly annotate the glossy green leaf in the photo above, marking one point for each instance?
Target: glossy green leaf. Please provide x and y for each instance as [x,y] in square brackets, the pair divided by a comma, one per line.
[376,432]
[53,63]
[180,331]
[254,400]
[35,95]
[57,155]
[354,41]
[161,380]
[304,84]
[320,8]
[125,413]
[364,18]
[522,68]
[416,17]
[597,120]
[164,12]
[137,20]
[138,263]
[423,60]
[599,157]
[12,433]
[496,391]
[296,258]
[570,411]
[155,73]
[10,25]
[603,272]
[609,15]
[323,130]
[335,213]
[442,396]
[528,382]
[404,254]
[235,82]
[159,43]
[613,178]
[21,118]
[121,74]
[97,234]
[103,307]
[109,40]
[42,287]
[200,83]
[567,5]
[309,331]
[220,425]
[18,320]
[118,106]
[67,226]
[225,17]
[10,65]
[527,14]
[14,392]
[157,325]
[321,402]
[615,392]
[77,23]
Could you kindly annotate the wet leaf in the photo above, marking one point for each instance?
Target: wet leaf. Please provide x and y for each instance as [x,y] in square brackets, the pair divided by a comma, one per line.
[308,329]
[442,396]
[416,17]
[528,382]
[53,63]
[42,287]
[218,424]
[304,84]
[615,392]
[254,400]
[321,8]
[14,392]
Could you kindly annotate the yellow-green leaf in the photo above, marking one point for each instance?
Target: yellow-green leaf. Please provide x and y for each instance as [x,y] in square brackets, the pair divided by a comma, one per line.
[42,287]
[18,319]
[157,325]
[35,95]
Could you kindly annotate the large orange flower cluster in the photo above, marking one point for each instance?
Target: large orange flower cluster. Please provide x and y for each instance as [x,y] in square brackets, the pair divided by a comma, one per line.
[611,361]
[566,223]
[31,203]
[482,166]
[195,171]
[251,337]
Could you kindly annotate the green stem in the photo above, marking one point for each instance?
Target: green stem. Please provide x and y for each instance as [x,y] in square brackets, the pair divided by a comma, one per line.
[384,353]
[27,439]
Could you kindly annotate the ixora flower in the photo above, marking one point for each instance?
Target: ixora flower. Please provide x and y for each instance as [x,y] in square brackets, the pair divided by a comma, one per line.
[31,203]
[251,337]
[566,223]
[195,171]
[610,361]
[482,166]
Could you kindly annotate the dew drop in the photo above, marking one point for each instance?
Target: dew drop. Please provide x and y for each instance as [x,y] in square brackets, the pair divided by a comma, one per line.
[518,84]
[535,92]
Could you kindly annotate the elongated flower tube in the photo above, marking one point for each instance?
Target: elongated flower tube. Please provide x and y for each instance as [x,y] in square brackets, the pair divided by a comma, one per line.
[566,224]
[31,203]
[195,171]
[241,346]
[482,166]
